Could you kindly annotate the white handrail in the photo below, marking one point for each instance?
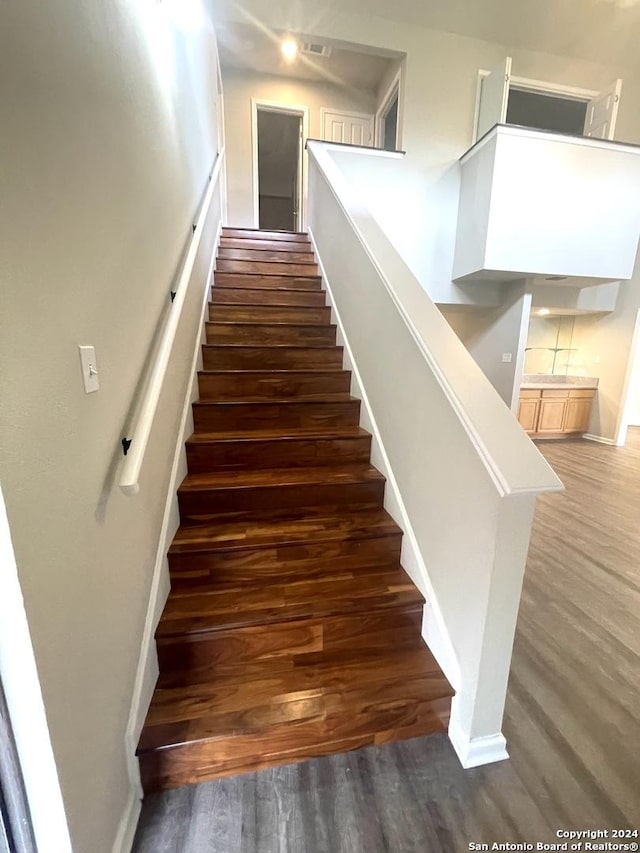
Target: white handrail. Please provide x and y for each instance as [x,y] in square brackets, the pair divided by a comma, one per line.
[130,474]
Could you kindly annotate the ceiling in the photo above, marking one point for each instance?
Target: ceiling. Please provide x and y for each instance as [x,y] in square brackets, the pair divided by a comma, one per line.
[247,46]
[604,31]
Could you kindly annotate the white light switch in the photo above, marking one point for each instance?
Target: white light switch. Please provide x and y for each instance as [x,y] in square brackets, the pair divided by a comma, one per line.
[506,357]
[89,369]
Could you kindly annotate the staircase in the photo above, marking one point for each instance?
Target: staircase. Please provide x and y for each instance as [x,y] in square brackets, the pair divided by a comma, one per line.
[291,630]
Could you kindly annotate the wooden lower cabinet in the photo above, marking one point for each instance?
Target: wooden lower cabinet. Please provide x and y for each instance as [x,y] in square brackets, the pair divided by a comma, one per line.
[528,414]
[555,412]
[551,416]
[577,415]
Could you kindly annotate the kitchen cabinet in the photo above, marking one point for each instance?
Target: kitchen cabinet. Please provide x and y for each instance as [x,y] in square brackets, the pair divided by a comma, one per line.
[555,412]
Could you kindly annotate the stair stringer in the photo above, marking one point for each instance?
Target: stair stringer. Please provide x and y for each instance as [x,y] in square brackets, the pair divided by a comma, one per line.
[434,630]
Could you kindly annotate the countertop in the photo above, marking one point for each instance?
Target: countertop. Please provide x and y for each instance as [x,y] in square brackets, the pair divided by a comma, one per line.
[556,386]
[544,382]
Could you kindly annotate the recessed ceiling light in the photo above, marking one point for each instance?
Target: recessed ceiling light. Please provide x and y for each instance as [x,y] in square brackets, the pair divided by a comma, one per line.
[543,311]
[289,48]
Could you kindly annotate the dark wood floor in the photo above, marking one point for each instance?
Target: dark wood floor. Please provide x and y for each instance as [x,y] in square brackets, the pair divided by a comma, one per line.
[572,718]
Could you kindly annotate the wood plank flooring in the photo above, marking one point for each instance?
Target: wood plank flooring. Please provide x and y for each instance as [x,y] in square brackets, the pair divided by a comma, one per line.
[572,717]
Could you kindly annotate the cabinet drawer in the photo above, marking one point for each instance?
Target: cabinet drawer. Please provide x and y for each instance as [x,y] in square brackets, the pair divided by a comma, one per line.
[583,393]
[562,393]
[530,393]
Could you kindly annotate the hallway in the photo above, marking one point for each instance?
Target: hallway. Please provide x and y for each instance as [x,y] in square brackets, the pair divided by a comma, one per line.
[572,717]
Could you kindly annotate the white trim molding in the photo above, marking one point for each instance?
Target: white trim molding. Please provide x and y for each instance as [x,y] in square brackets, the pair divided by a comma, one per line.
[25,704]
[287,109]
[147,671]
[480,750]
[395,89]
[128,824]
[601,439]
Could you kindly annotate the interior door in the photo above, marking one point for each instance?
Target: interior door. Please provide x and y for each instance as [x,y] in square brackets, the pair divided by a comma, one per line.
[352,128]
[602,113]
[494,97]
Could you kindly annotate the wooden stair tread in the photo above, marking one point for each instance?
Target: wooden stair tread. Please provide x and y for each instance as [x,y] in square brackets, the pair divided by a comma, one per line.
[233,605]
[270,371]
[281,434]
[265,531]
[269,321]
[282,298]
[257,233]
[335,397]
[251,280]
[355,473]
[322,693]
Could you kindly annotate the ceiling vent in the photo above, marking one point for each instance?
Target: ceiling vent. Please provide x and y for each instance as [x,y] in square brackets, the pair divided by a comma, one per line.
[313,49]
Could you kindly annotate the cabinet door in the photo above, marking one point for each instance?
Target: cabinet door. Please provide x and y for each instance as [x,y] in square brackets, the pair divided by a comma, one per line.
[528,414]
[551,415]
[577,416]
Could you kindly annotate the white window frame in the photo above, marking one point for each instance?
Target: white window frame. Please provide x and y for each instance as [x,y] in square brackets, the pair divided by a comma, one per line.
[289,109]
[385,105]
[572,93]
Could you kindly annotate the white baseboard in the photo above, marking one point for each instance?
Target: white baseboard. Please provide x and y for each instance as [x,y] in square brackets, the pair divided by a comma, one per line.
[434,630]
[599,438]
[147,671]
[477,751]
[128,824]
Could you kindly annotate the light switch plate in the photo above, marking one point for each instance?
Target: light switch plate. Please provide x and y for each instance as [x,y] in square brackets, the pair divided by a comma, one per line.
[89,369]
[506,357]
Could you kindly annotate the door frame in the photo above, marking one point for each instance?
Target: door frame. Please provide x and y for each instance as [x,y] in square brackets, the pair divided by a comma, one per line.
[631,381]
[394,89]
[573,93]
[287,109]
[26,706]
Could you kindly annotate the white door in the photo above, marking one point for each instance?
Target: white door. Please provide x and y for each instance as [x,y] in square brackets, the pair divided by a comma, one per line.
[353,128]
[602,113]
[494,98]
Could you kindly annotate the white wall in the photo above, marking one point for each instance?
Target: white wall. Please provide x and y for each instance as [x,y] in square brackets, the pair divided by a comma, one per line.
[604,348]
[489,333]
[108,134]
[239,89]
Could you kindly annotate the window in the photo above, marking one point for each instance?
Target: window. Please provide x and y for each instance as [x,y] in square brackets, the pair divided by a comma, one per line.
[506,99]
[545,111]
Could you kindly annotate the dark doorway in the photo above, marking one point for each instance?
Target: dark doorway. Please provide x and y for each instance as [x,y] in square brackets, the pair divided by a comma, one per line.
[390,126]
[279,154]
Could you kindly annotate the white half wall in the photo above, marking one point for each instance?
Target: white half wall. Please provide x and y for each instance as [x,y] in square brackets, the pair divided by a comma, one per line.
[493,335]
[535,203]
[466,474]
